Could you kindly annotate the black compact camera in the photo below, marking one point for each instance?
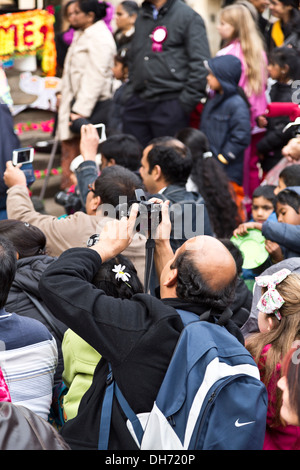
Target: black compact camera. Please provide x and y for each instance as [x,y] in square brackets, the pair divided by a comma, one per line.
[149,213]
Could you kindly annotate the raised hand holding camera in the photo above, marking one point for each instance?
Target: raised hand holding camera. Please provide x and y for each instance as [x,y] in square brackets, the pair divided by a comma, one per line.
[149,213]
[116,235]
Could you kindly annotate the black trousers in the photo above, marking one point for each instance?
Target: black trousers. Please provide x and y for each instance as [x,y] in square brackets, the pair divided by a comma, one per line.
[100,115]
[147,119]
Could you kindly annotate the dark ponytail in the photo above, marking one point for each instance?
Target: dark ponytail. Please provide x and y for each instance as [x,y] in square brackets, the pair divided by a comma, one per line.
[98,8]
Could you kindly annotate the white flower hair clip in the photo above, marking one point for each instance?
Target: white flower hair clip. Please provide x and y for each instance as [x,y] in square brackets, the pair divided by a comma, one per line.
[120,274]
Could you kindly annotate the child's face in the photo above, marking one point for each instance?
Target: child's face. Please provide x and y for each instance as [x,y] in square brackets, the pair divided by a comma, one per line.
[274,71]
[118,70]
[263,322]
[280,186]
[226,30]
[286,214]
[262,208]
[278,73]
[213,82]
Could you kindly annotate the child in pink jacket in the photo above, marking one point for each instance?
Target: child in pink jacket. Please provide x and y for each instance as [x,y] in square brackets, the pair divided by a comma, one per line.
[239,33]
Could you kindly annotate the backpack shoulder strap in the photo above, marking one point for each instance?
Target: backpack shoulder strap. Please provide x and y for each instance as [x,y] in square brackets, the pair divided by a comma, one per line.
[112,390]
[187,317]
[190,317]
[46,315]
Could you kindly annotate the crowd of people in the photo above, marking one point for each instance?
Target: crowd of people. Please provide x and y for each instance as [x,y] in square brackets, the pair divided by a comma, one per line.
[192,137]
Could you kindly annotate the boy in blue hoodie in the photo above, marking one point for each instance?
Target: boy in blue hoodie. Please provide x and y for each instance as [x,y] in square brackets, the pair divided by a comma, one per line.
[226,119]
[282,236]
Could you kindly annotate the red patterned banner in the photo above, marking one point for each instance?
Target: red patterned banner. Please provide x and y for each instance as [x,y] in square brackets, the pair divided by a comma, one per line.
[25,33]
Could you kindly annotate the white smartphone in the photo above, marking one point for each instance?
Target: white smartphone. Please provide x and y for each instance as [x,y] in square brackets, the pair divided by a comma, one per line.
[101,132]
[23,155]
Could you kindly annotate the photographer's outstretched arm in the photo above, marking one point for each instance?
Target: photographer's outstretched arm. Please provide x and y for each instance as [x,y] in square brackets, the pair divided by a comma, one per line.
[116,236]
[163,251]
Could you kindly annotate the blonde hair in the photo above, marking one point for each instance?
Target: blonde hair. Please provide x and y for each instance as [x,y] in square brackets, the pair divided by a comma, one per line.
[281,337]
[245,30]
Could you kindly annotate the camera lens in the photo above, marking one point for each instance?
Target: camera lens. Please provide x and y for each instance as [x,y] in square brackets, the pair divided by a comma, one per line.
[61,198]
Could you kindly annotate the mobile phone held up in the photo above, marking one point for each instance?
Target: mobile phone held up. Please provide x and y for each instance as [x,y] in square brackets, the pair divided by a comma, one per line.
[101,131]
[79,159]
[24,156]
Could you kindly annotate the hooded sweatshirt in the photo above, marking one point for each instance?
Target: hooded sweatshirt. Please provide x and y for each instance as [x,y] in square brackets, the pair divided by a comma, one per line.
[286,235]
[226,117]
[28,274]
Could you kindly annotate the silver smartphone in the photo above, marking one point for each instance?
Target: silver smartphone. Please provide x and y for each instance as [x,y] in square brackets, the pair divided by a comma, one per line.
[101,131]
[23,155]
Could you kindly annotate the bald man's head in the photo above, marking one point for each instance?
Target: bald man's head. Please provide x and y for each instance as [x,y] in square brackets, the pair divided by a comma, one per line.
[206,272]
[213,260]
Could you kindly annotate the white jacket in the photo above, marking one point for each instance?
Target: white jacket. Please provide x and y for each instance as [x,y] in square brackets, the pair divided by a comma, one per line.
[87,76]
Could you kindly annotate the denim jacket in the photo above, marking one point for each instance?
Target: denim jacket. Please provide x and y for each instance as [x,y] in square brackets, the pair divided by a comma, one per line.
[86,173]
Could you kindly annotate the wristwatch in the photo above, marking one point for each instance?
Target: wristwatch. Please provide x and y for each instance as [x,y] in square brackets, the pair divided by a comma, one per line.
[93,240]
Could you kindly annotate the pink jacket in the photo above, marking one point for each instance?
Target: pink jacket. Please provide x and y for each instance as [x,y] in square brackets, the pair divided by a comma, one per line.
[258,103]
[280,437]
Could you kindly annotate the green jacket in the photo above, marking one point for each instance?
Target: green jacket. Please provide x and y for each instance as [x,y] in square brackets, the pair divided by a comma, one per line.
[80,360]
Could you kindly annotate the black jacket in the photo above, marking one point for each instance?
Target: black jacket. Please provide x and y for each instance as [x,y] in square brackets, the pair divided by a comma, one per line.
[177,71]
[272,142]
[28,274]
[8,142]
[136,336]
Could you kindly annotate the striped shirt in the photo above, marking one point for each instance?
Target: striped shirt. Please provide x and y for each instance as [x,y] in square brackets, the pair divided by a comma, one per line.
[28,359]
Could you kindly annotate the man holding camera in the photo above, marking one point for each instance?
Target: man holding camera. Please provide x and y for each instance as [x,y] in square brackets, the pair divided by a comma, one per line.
[104,195]
[137,337]
[165,167]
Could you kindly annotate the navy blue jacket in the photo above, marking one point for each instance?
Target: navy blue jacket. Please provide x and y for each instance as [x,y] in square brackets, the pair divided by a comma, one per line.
[226,117]
[286,235]
[8,142]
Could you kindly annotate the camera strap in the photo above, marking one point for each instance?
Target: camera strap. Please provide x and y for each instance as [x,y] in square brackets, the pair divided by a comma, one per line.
[150,247]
